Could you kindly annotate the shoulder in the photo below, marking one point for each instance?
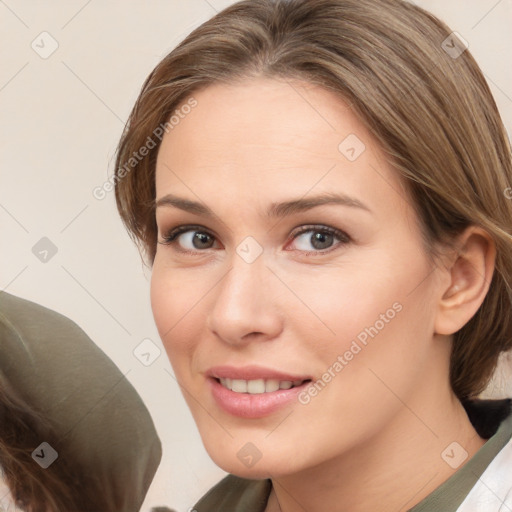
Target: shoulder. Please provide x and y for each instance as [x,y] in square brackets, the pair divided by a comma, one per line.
[50,360]
[493,490]
[97,418]
[234,494]
[29,330]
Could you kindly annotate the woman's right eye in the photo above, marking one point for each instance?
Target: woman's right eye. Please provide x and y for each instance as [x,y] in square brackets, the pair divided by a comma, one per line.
[189,239]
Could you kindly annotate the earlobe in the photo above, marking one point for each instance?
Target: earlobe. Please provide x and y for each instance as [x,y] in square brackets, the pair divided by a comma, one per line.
[470,275]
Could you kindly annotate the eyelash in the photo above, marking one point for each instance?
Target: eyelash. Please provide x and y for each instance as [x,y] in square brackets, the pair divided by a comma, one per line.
[170,238]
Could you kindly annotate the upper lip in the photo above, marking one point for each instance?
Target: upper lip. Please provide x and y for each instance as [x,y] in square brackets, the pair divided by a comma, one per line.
[252,372]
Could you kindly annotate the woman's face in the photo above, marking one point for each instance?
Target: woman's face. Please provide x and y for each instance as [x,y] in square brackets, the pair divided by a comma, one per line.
[300,263]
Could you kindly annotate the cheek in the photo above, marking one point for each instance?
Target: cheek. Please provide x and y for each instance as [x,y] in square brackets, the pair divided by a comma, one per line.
[175,301]
[365,295]
[382,318]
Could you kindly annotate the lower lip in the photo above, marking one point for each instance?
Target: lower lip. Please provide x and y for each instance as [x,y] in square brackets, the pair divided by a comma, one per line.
[246,405]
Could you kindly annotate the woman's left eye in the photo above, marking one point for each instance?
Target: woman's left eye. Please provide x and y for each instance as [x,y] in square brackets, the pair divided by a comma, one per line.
[320,238]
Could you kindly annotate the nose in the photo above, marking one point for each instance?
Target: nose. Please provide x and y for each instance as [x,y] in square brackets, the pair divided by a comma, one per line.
[245,306]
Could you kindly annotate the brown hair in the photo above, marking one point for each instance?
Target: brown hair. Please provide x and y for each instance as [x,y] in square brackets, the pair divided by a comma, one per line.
[429,108]
[63,486]
[21,429]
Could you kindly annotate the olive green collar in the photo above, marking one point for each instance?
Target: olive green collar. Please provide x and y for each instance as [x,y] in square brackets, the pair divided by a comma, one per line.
[449,495]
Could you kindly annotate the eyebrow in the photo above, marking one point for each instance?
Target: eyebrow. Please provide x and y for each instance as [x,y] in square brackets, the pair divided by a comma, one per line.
[282,209]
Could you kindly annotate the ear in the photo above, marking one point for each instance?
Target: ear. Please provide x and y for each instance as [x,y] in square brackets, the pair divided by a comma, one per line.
[470,271]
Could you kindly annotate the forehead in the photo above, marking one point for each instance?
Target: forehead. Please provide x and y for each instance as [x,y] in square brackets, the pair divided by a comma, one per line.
[278,138]
[288,118]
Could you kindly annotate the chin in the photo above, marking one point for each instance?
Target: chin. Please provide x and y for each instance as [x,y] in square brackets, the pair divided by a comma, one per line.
[260,471]
[245,463]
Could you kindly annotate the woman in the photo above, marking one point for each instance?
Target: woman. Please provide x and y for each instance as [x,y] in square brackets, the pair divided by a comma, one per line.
[330,239]
[75,435]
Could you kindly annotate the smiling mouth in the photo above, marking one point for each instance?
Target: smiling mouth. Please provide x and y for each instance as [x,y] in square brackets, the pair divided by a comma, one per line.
[259,386]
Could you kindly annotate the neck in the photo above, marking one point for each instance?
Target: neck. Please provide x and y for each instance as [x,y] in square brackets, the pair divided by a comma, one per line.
[391,472]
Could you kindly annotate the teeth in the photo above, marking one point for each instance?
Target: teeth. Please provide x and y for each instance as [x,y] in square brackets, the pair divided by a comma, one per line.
[255,387]
[239,386]
[271,385]
[258,386]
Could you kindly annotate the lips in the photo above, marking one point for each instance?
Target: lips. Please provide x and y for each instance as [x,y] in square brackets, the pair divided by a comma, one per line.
[254,391]
[253,373]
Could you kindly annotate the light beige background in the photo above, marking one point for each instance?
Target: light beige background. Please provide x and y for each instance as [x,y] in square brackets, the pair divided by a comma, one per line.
[60,120]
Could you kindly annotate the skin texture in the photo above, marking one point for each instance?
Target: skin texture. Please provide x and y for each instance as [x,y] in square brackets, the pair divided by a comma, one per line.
[372,438]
